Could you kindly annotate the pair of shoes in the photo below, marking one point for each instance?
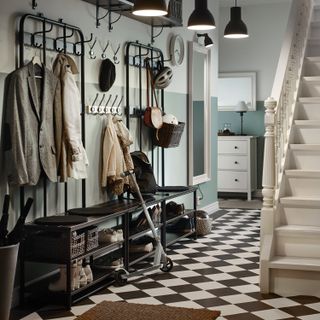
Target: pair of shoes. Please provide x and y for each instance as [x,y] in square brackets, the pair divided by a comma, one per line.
[174,209]
[139,224]
[116,264]
[143,244]
[110,235]
[141,248]
[107,262]
[155,213]
[81,276]
[85,275]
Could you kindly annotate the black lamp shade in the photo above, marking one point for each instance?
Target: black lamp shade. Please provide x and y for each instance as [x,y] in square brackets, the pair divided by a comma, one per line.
[207,41]
[201,18]
[236,28]
[150,8]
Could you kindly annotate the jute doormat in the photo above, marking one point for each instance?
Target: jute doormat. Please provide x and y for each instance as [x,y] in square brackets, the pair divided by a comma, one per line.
[131,311]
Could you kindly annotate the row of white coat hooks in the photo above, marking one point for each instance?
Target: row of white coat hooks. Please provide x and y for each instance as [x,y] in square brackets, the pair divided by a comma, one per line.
[110,107]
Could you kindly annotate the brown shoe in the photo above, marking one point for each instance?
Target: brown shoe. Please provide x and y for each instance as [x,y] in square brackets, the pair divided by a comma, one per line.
[173,209]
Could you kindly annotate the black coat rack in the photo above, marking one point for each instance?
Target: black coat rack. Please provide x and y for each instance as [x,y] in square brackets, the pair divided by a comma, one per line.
[40,40]
[138,60]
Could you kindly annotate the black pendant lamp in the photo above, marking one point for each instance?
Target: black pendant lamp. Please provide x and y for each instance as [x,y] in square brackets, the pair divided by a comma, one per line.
[201,18]
[208,43]
[150,8]
[236,28]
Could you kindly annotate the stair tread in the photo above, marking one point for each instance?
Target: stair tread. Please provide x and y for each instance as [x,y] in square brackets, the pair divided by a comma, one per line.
[305,147]
[298,263]
[298,229]
[309,99]
[304,202]
[313,59]
[303,173]
[311,78]
[311,123]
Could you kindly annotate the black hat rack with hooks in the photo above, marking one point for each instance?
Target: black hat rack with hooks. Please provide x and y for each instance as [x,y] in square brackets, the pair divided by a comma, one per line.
[40,39]
[136,56]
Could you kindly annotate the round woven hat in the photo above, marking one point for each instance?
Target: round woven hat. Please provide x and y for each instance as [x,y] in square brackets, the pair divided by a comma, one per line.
[107,75]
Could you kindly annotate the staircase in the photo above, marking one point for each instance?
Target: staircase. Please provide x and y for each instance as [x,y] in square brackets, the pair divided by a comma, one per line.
[290,225]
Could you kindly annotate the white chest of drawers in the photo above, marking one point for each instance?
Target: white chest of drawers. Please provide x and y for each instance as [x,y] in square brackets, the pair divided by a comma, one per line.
[237,164]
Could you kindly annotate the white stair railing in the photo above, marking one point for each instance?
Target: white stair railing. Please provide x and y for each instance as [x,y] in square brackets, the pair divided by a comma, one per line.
[278,122]
[280,108]
[287,80]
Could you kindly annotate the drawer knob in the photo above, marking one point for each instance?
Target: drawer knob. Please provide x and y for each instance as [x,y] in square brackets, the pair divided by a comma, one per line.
[236,162]
[236,147]
[236,180]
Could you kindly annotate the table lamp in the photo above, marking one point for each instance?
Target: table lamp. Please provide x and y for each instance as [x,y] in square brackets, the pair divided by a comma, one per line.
[242,108]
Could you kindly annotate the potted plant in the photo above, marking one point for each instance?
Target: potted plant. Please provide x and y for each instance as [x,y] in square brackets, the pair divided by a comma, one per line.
[9,246]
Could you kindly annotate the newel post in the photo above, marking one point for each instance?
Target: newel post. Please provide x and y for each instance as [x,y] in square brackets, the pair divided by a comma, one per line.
[268,178]
[268,185]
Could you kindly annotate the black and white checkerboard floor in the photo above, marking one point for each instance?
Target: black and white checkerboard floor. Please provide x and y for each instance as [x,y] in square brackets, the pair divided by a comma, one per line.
[219,272]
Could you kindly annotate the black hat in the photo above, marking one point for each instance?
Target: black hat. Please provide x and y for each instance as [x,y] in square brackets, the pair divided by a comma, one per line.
[107,75]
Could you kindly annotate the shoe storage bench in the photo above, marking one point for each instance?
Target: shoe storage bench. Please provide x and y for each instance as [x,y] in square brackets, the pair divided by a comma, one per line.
[65,244]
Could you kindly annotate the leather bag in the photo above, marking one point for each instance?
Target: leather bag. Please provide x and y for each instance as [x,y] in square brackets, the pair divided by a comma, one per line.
[152,117]
[144,172]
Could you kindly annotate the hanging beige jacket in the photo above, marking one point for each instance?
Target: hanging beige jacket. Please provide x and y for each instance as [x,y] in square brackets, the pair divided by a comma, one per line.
[74,161]
[116,155]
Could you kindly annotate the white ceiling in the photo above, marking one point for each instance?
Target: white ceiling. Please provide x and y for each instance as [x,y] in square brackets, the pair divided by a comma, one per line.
[229,3]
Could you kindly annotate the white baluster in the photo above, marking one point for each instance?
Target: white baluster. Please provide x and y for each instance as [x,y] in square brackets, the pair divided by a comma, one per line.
[268,180]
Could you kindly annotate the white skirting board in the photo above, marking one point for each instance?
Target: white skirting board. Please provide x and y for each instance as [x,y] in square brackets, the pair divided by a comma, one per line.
[211,208]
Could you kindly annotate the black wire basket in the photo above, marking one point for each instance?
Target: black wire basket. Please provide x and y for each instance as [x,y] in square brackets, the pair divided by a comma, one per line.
[169,135]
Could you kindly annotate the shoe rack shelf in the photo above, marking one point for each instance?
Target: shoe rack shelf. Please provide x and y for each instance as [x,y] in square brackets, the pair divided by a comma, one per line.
[118,212]
[143,233]
[186,212]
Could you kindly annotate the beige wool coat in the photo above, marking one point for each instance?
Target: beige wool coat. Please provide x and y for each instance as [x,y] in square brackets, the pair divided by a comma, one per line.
[116,156]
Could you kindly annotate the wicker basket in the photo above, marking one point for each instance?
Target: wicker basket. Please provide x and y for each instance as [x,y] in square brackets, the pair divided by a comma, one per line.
[92,239]
[78,244]
[203,226]
[169,135]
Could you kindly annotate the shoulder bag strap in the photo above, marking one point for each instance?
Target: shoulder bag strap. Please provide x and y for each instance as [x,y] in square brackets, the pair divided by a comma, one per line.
[152,86]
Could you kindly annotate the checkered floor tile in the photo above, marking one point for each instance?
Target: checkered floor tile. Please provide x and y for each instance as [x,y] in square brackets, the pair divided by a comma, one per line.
[218,272]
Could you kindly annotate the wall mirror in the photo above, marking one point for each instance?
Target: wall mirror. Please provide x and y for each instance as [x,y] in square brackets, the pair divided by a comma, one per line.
[235,87]
[199,114]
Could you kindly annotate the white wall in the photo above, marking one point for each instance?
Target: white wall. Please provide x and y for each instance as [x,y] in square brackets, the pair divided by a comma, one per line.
[260,52]
[82,14]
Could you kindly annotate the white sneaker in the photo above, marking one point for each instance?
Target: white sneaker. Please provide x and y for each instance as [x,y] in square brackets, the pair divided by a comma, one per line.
[88,272]
[76,277]
[140,248]
[117,264]
[107,236]
[83,281]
